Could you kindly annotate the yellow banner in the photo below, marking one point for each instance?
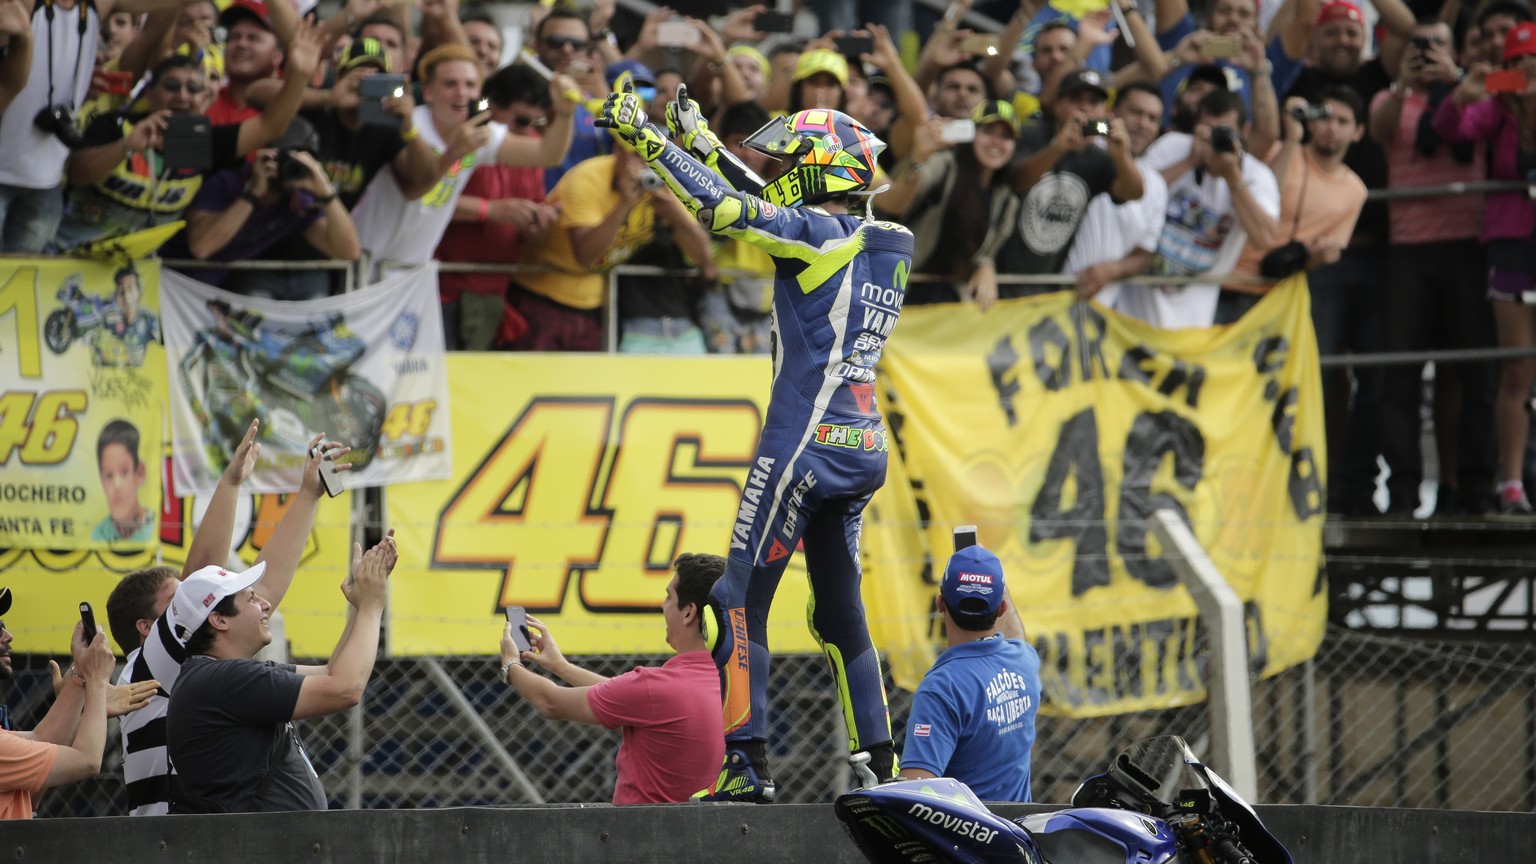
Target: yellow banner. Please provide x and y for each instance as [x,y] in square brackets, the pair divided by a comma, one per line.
[577,480]
[82,390]
[49,585]
[1058,428]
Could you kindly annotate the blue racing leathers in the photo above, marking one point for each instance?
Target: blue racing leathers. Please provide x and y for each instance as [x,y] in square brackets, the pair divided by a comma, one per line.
[838,290]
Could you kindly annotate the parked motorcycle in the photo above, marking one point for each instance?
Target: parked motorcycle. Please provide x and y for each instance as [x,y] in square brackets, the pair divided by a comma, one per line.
[1157,804]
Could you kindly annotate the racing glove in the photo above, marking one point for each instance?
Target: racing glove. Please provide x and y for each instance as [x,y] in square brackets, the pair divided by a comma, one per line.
[625,115]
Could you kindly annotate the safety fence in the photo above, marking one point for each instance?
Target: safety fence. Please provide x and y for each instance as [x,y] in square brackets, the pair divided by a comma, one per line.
[1376,721]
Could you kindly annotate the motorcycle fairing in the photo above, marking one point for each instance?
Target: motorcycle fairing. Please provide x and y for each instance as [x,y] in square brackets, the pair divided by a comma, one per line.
[1251,830]
[912,820]
[1101,836]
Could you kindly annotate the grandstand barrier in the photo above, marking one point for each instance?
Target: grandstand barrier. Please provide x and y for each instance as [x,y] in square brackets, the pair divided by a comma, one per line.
[677,833]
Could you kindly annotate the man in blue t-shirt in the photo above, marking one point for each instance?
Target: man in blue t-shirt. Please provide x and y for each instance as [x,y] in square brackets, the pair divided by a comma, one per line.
[973,717]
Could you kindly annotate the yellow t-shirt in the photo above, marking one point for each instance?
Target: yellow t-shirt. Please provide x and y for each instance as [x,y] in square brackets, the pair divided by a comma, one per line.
[586,196]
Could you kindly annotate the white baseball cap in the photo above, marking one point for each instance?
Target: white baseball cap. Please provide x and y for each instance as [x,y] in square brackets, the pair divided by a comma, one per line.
[200,592]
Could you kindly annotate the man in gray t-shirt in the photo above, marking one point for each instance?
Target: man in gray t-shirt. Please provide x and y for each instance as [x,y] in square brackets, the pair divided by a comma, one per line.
[229,728]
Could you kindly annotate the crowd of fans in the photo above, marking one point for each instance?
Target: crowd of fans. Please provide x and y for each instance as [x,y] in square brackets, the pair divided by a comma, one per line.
[1091,142]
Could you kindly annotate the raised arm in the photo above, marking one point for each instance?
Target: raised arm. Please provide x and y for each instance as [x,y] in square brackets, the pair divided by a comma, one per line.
[303,53]
[547,697]
[80,757]
[340,685]
[548,150]
[286,546]
[214,538]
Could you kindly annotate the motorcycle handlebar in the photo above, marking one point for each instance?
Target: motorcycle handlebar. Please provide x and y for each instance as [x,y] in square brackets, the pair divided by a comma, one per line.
[1229,851]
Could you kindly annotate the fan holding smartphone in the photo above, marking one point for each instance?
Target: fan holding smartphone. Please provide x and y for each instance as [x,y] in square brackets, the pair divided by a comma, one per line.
[973,716]
[670,714]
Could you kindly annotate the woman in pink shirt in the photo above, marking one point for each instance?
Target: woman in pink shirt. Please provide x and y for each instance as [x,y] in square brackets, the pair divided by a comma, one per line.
[1505,119]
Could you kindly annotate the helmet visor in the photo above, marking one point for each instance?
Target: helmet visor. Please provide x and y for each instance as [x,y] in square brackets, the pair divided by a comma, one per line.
[776,138]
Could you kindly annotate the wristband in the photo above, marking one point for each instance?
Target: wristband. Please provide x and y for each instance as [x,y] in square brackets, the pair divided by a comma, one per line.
[410,134]
[323,200]
[485,213]
[250,197]
[506,667]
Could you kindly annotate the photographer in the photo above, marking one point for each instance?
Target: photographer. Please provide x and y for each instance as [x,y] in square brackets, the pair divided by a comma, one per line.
[1218,198]
[1320,198]
[123,178]
[1088,154]
[38,129]
[241,213]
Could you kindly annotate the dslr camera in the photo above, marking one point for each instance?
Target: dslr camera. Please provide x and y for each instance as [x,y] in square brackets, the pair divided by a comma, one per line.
[1303,113]
[1422,43]
[1223,139]
[58,120]
[1095,128]
[289,169]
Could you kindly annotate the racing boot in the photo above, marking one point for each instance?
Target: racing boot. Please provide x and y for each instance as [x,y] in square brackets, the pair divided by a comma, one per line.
[743,776]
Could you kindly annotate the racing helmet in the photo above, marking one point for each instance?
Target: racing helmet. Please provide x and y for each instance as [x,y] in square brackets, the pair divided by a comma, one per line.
[833,154]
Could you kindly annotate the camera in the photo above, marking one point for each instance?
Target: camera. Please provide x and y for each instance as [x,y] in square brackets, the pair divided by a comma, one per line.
[1303,113]
[1095,128]
[1285,260]
[1224,139]
[289,169]
[1422,43]
[58,120]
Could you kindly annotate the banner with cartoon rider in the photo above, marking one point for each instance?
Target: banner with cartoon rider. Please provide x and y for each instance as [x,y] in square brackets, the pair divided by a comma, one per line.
[365,368]
[82,379]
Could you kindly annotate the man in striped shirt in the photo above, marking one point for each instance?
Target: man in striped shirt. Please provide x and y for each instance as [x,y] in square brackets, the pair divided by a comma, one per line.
[136,610]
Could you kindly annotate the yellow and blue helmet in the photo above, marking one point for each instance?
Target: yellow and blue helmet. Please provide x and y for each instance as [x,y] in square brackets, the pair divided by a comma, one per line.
[833,155]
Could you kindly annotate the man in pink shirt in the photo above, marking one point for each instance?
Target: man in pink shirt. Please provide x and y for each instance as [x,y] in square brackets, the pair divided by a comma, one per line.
[68,744]
[1438,277]
[673,739]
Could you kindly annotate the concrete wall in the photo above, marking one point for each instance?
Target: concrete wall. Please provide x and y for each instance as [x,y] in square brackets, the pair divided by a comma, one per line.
[677,833]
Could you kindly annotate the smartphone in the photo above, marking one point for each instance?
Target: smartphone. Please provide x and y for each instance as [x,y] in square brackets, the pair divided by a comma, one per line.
[854,46]
[188,143]
[958,131]
[980,45]
[1504,81]
[518,617]
[372,91]
[965,537]
[328,476]
[1095,128]
[1221,47]
[676,34]
[1422,43]
[771,21]
[88,621]
[117,83]
[478,107]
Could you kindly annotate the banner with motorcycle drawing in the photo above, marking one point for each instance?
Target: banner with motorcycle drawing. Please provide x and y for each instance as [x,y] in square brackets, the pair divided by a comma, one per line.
[1058,429]
[365,368]
[82,381]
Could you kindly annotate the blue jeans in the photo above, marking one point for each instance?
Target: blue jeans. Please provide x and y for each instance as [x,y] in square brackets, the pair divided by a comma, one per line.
[1347,300]
[280,284]
[30,218]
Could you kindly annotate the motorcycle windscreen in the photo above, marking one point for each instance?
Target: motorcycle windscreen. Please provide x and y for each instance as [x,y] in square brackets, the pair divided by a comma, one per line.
[1158,768]
[934,820]
[1255,837]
